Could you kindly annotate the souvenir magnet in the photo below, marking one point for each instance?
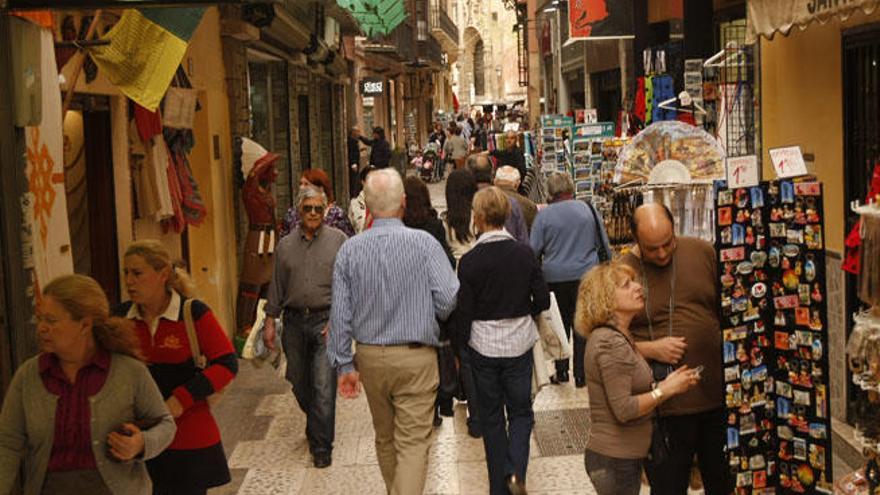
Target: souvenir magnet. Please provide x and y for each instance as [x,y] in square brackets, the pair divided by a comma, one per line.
[759,290]
[786,192]
[757,197]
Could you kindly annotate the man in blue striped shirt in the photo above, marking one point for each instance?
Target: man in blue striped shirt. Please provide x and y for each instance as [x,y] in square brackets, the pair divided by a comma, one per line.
[390,286]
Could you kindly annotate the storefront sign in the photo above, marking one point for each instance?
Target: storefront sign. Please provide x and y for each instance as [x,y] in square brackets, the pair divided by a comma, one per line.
[372,87]
[743,171]
[788,162]
[765,17]
[600,19]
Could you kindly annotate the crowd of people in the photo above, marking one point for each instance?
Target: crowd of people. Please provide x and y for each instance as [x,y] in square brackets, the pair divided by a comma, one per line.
[120,401]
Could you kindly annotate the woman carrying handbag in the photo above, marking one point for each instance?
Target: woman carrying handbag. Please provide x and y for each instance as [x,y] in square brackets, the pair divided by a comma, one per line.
[622,391]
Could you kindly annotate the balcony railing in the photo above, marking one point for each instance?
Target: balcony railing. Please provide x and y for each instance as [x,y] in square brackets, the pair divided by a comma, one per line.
[399,43]
[430,51]
[440,20]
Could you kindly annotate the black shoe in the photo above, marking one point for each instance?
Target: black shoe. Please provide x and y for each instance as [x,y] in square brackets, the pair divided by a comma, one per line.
[559,378]
[474,432]
[516,486]
[580,382]
[437,420]
[322,461]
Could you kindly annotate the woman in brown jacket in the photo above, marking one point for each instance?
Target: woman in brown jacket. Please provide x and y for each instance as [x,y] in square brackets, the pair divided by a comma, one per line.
[622,391]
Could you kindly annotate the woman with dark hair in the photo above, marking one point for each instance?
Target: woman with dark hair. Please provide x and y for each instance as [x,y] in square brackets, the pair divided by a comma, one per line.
[334,216]
[84,414]
[419,214]
[461,186]
[460,231]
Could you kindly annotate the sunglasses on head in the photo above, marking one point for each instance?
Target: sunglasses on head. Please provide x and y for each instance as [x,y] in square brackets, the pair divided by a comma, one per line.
[311,208]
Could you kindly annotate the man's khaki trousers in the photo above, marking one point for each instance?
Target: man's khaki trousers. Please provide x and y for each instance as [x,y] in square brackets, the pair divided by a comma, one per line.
[401,385]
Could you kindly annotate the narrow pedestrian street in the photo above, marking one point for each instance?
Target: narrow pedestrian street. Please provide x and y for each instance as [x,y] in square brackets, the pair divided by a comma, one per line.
[641,236]
[263,432]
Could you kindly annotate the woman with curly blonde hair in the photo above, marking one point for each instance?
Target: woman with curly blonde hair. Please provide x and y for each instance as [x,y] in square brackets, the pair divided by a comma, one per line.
[620,384]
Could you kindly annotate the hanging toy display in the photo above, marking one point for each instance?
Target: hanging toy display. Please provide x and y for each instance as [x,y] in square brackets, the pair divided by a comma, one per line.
[677,150]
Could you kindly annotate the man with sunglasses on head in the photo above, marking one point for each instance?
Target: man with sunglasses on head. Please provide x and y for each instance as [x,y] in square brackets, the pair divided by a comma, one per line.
[300,294]
[680,326]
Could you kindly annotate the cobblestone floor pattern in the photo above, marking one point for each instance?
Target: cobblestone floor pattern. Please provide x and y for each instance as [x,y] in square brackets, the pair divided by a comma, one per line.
[263,432]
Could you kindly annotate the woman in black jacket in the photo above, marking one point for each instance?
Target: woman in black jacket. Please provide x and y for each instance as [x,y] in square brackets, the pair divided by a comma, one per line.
[502,289]
[421,215]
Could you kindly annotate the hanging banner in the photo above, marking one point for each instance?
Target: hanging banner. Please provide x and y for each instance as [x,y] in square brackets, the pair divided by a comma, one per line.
[600,19]
[46,208]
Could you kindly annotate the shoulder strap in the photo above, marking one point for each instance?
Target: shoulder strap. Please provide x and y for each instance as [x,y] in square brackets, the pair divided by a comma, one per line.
[198,358]
[601,252]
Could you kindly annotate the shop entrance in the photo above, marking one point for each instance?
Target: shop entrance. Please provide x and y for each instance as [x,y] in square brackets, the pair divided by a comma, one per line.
[91,199]
[861,90]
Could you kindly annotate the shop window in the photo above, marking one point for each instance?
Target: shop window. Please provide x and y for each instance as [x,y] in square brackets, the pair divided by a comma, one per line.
[861,90]
[270,118]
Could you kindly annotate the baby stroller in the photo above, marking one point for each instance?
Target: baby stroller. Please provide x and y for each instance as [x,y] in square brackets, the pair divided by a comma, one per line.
[430,160]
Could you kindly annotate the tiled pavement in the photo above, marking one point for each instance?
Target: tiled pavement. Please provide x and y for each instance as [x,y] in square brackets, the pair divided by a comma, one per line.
[263,435]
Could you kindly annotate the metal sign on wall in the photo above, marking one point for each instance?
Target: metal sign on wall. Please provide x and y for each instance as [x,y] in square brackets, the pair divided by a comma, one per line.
[372,87]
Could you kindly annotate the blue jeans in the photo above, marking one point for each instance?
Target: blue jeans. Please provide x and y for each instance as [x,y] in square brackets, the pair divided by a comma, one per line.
[504,384]
[312,378]
[613,476]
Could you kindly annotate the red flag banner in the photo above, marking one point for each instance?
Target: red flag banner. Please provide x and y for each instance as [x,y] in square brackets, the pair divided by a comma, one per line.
[600,19]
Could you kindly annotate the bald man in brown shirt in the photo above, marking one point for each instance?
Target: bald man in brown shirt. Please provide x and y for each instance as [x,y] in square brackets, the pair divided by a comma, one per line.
[680,326]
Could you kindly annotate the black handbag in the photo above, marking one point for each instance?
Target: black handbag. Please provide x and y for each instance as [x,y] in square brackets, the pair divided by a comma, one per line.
[448,370]
[601,252]
[661,445]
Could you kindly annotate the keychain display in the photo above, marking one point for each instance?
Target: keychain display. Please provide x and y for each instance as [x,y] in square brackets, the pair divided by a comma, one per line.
[772,277]
[618,212]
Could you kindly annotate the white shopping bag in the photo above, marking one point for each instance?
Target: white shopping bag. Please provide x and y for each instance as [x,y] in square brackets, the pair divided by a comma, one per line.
[552,332]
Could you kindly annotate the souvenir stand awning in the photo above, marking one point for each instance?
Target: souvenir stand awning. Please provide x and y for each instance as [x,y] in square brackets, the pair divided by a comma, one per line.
[767,17]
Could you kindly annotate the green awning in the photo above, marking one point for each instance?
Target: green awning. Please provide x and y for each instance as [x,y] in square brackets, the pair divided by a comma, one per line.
[376,17]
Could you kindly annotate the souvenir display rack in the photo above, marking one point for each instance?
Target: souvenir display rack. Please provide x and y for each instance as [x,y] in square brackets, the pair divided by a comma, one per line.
[591,170]
[773,315]
[555,131]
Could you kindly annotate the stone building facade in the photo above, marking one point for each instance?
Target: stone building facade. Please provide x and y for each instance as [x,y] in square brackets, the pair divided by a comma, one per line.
[487,69]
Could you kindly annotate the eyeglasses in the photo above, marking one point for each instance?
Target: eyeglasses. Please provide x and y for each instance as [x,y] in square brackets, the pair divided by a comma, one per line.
[311,208]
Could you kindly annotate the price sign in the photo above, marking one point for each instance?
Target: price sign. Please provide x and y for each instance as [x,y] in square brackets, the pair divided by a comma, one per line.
[788,162]
[743,171]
